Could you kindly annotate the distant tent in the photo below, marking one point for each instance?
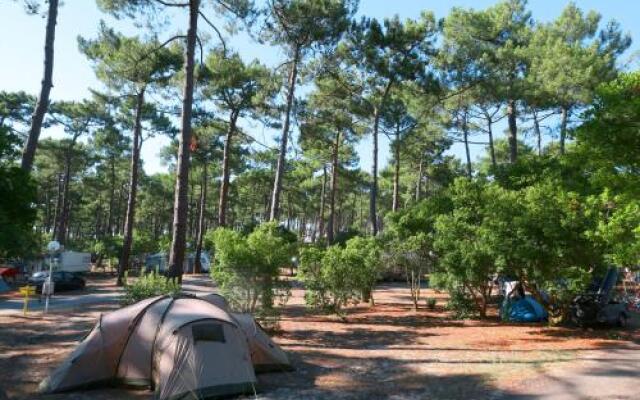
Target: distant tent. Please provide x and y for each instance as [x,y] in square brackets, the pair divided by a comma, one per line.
[525,309]
[182,347]
[4,287]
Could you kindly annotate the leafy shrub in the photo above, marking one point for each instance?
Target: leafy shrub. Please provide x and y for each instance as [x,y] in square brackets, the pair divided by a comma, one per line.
[148,285]
[364,254]
[343,237]
[247,267]
[109,248]
[431,303]
[462,304]
[338,276]
[143,243]
[310,272]
[412,255]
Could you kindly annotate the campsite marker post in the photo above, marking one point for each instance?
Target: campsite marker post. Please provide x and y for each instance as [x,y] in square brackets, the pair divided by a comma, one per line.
[27,291]
[47,287]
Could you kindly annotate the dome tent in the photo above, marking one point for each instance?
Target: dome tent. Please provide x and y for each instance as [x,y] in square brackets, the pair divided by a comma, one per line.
[266,356]
[178,346]
[525,309]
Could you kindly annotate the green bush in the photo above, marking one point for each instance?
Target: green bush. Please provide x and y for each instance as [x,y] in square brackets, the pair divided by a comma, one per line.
[431,303]
[364,256]
[462,304]
[247,267]
[310,273]
[143,243]
[338,276]
[148,285]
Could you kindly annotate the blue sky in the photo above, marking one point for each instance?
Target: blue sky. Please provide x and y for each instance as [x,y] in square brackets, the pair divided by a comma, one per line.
[22,39]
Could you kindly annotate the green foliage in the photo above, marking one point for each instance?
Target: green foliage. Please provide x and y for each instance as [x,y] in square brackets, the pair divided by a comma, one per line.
[337,279]
[465,257]
[247,267]
[129,64]
[618,228]
[410,240]
[431,302]
[310,273]
[462,304]
[17,213]
[236,87]
[307,24]
[340,275]
[108,247]
[364,255]
[148,285]
[488,47]
[143,243]
[343,237]
[610,137]
[538,234]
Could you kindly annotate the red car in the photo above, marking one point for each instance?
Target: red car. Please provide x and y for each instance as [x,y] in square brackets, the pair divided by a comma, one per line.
[8,272]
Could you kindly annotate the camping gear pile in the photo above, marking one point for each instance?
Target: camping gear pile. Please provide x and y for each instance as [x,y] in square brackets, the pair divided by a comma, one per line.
[599,305]
[181,347]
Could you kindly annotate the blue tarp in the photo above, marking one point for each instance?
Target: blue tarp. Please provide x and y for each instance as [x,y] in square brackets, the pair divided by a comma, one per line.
[526,309]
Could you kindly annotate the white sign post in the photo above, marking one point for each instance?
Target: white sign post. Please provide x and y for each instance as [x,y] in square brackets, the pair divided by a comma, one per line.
[47,287]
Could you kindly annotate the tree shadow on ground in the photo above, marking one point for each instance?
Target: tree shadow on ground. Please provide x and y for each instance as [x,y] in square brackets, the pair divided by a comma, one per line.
[609,336]
[329,376]
[351,338]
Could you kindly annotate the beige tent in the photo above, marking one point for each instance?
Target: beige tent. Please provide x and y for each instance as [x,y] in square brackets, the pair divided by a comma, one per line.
[266,356]
[181,347]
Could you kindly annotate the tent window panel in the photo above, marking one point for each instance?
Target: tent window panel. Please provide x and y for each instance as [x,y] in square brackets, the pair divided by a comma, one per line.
[208,333]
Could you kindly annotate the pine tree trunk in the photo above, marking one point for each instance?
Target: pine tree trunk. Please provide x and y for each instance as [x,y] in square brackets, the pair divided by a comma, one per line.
[47,212]
[224,186]
[373,214]
[396,175]
[536,128]
[465,132]
[61,230]
[42,104]
[491,146]
[112,196]
[277,182]
[334,187]
[513,131]
[323,192]
[129,220]
[178,244]
[564,115]
[197,267]
[419,181]
[58,210]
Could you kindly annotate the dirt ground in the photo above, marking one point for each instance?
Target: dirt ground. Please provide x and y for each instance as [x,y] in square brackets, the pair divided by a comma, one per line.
[381,351]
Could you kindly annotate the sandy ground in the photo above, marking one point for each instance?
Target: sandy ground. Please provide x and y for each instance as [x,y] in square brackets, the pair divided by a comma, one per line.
[384,351]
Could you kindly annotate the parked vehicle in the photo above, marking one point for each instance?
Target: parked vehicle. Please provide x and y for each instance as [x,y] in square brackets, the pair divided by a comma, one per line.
[73,261]
[70,261]
[160,261]
[9,272]
[600,304]
[62,280]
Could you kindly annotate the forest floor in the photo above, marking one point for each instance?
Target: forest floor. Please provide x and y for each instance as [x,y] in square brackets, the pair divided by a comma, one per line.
[376,352]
